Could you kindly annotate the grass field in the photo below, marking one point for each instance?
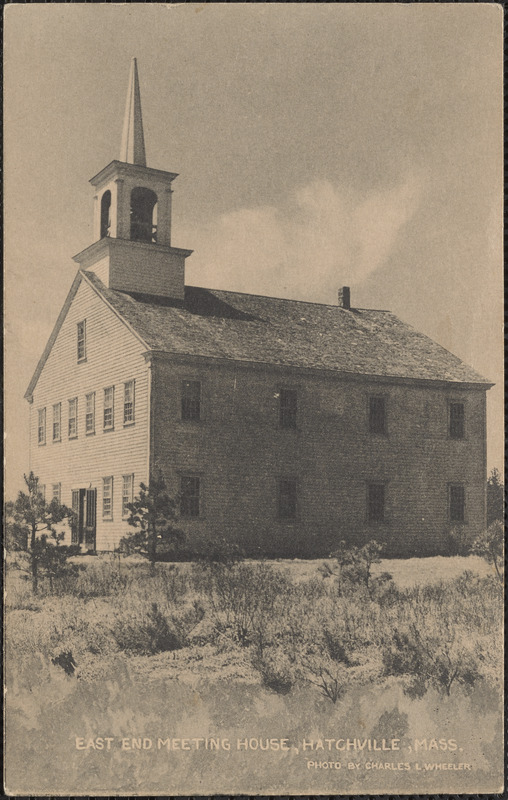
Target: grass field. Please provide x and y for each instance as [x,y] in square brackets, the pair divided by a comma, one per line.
[117,650]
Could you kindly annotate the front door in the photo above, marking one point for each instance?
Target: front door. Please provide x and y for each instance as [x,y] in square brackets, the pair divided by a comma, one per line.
[90,518]
[84,505]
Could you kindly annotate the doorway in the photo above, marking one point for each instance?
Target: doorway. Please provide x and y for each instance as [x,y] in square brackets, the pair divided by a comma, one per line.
[84,527]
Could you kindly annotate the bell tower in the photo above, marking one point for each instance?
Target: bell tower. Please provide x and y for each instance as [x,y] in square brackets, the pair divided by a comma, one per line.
[132,251]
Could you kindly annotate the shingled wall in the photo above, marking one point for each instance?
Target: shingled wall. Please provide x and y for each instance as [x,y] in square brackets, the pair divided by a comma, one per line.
[239,451]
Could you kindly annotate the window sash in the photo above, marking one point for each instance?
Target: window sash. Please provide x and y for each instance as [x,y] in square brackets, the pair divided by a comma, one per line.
[127,493]
[57,419]
[128,402]
[109,405]
[107,497]
[377,415]
[288,408]
[376,502]
[191,400]
[81,340]
[457,503]
[73,418]
[41,426]
[90,413]
[189,496]
[457,418]
[57,491]
[287,500]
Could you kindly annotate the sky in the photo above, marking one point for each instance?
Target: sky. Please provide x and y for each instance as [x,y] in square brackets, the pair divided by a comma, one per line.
[317,145]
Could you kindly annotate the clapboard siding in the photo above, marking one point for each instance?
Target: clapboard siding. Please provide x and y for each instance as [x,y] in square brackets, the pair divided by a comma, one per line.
[114,355]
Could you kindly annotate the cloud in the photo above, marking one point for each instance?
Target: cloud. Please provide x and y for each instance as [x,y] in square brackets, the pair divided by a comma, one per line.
[322,237]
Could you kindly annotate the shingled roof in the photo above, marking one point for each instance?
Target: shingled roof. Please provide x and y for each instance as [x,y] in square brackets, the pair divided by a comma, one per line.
[268,330]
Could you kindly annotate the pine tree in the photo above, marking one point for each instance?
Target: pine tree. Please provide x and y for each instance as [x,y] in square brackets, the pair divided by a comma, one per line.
[495,497]
[154,513]
[31,529]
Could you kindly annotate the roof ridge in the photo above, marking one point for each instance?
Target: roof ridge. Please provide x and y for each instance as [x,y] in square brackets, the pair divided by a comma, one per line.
[288,299]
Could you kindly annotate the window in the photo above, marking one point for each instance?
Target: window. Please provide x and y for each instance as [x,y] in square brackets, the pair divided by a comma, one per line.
[41,426]
[189,496]
[287,410]
[109,403]
[376,502]
[90,413]
[82,340]
[287,504]
[128,403]
[73,418]
[127,493]
[377,415]
[57,420]
[191,400]
[107,497]
[57,492]
[41,488]
[456,419]
[457,500]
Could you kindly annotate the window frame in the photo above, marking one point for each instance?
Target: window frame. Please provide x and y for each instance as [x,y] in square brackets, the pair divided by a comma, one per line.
[288,412]
[132,420]
[125,511]
[451,403]
[184,514]
[41,427]
[373,430]
[89,431]
[107,516]
[111,425]
[462,486]
[286,517]
[371,519]
[58,494]
[71,417]
[191,413]
[81,341]
[56,428]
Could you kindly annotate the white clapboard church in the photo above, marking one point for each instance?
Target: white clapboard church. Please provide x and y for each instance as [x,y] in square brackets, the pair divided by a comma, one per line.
[283,425]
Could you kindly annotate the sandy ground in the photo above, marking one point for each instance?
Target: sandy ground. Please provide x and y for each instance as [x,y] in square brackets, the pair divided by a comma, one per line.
[406,572]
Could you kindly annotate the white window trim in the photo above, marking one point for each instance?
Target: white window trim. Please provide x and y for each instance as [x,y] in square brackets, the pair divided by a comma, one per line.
[42,411]
[74,417]
[111,426]
[129,498]
[90,431]
[132,421]
[82,358]
[105,515]
[57,420]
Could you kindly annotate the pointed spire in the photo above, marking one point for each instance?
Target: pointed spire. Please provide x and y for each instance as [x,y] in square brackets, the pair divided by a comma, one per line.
[133,142]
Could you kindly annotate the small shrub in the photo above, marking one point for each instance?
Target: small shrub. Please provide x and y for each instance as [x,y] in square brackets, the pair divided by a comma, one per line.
[277,670]
[148,635]
[353,568]
[244,598]
[335,647]
[429,660]
[490,546]
[329,680]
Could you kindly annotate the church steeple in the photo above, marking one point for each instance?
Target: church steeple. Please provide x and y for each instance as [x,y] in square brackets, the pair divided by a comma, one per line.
[132,150]
[132,250]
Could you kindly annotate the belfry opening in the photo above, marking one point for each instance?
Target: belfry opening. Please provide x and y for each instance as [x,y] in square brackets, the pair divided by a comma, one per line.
[143,215]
